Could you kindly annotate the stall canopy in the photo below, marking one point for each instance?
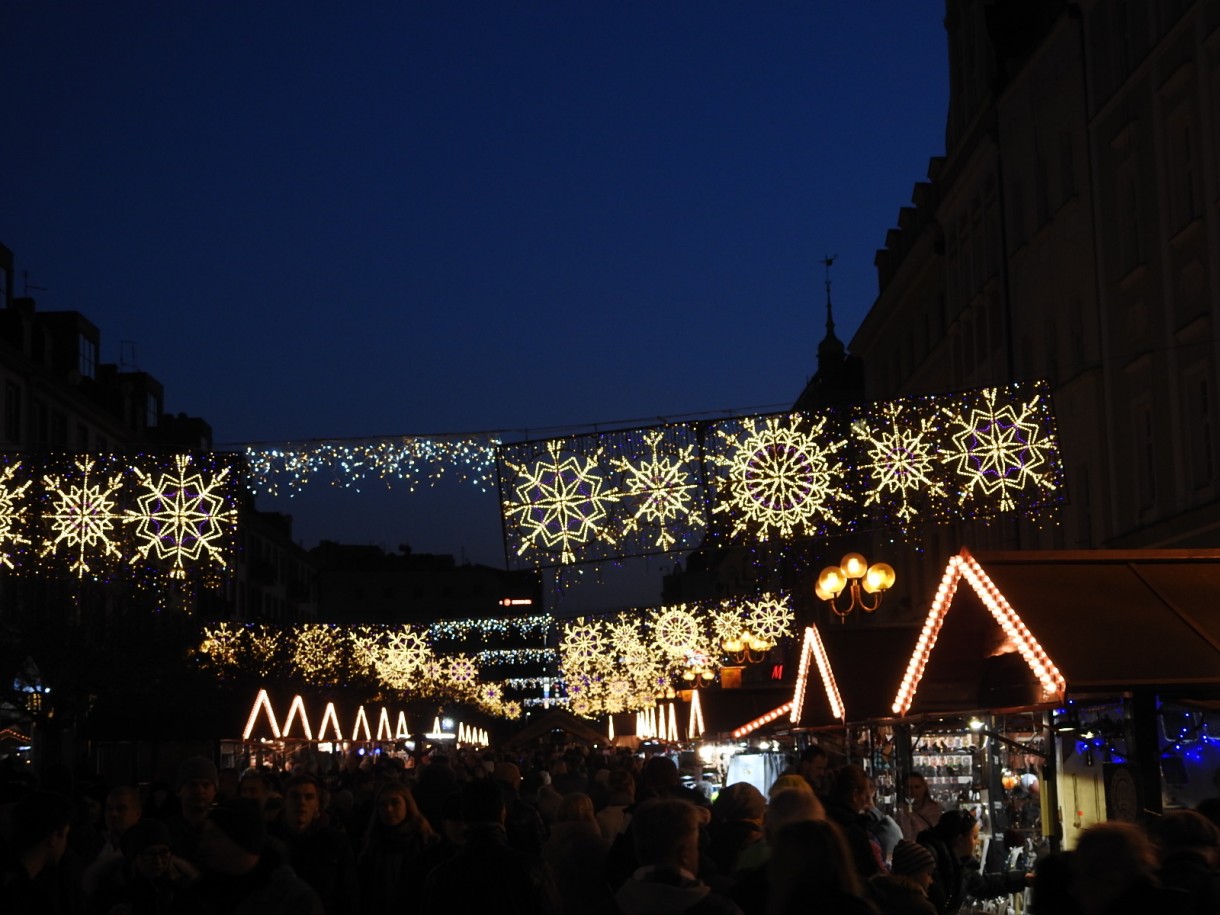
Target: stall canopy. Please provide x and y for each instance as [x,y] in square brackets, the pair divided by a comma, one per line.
[1010,630]
[573,728]
[863,667]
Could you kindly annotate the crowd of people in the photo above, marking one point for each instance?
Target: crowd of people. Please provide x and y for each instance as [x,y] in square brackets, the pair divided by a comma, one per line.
[563,831]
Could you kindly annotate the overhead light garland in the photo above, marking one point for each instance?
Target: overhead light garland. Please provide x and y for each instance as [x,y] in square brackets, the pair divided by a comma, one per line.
[626,661]
[783,477]
[396,658]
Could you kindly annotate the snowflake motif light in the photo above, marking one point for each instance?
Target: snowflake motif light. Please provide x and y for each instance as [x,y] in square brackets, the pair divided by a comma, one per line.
[999,452]
[402,658]
[82,517]
[182,517]
[661,489]
[317,653]
[677,631]
[462,671]
[769,618]
[221,645]
[13,513]
[560,503]
[900,460]
[728,621]
[783,480]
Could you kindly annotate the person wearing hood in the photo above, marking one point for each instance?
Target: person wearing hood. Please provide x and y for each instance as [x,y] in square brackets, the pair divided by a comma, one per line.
[666,836]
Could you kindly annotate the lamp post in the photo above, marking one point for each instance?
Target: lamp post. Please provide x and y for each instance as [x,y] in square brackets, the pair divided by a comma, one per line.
[858,578]
[745,648]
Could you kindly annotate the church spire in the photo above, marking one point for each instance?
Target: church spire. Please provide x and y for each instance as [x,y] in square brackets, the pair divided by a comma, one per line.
[831,346]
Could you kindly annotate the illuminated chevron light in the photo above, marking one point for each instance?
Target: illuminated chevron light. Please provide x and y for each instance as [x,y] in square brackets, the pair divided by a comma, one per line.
[262,703]
[813,649]
[295,711]
[762,721]
[331,717]
[963,565]
[362,719]
[694,728]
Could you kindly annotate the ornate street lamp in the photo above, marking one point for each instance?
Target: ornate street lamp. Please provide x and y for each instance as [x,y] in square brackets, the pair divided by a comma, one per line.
[858,578]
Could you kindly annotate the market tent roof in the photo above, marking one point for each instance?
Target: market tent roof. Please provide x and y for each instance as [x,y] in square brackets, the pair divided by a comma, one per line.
[558,720]
[726,710]
[866,664]
[1106,620]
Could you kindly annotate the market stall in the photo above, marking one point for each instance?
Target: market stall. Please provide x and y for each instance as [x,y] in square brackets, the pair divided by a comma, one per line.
[1052,690]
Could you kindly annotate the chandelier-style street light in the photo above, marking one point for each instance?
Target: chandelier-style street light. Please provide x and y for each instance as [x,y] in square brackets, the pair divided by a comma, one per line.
[855,575]
[745,648]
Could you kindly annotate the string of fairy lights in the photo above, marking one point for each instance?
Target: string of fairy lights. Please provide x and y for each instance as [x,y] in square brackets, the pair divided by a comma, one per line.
[568,501]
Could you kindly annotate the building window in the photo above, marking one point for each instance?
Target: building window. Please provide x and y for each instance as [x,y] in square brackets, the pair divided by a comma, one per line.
[1067,168]
[12,412]
[1199,429]
[88,357]
[152,411]
[1144,441]
[1183,177]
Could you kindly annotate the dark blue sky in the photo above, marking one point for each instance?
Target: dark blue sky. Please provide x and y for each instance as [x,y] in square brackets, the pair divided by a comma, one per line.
[318,221]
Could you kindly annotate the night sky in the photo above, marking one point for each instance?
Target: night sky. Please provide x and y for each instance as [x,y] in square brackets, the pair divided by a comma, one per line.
[354,220]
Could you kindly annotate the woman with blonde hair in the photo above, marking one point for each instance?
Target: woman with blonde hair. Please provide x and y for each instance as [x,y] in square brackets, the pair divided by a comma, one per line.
[399,850]
[576,853]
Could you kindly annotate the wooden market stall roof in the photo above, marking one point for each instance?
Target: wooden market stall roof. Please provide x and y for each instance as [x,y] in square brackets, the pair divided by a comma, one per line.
[557,719]
[1017,629]
[861,670]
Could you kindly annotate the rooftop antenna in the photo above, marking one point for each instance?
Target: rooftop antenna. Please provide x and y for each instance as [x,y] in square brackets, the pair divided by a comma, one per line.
[25,280]
[829,260]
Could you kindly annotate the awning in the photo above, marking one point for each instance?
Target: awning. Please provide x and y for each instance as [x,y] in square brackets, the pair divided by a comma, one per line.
[1087,621]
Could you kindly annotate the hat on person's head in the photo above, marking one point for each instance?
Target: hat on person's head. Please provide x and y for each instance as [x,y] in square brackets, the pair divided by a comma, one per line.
[144,834]
[911,858]
[739,801]
[507,772]
[241,820]
[788,781]
[196,769]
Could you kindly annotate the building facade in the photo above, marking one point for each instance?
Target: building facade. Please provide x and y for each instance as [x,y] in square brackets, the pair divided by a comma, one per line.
[1071,232]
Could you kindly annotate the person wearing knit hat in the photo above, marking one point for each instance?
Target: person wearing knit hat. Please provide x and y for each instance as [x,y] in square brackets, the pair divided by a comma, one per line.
[913,860]
[197,784]
[242,872]
[904,891]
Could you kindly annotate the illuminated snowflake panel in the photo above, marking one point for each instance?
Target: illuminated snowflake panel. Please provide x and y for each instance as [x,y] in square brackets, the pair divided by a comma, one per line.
[83,516]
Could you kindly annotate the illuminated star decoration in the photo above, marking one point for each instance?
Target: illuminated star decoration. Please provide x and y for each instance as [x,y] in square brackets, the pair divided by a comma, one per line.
[182,517]
[783,478]
[1000,451]
[900,461]
[13,514]
[560,503]
[661,488]
[82,516]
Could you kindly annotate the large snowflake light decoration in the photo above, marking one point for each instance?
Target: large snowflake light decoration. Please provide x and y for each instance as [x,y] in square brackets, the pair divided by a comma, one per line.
[899,459]
[182,516]
[784,479]
[560,503]
[13,513]
[677,631]
[1000,451]
[769,618]
[83,516]
[662,488]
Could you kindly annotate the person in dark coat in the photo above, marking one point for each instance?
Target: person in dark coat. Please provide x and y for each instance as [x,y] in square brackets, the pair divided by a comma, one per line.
[810,870]
[849,796]
[487,874]
[1190,861]
[148,879]
[36,839]
[397,852]
[243,873]
[959,874]
[904,890]
[1114,872]
[666,836]
[319,852]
